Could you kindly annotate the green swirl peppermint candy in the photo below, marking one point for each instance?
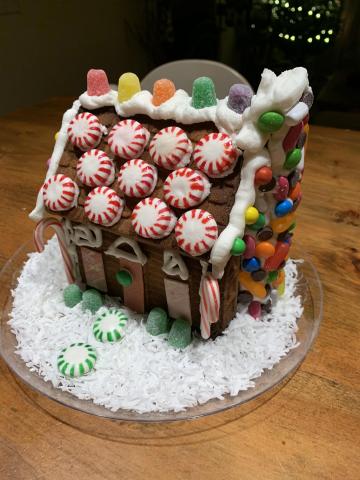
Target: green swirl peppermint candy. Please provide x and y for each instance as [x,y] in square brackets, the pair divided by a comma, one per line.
[77,359]
[109,325]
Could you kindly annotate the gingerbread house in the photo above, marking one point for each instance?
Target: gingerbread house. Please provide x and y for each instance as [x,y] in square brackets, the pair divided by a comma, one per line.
[177,201]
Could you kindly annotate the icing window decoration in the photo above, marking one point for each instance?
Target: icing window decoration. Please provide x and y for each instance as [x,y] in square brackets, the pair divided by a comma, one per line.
[103,206]
[85,131]
[137,178]
[174,265]
[186,188]
[128,138]
[60,193]
[94,168]
[215,155]
[196,232]
[170,148]
[137,256]
[87,236]
[152,218]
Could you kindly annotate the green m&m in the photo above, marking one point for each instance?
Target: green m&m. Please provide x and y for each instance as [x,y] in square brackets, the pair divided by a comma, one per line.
[293,157]
[260,222]
[270,122]
[238,247]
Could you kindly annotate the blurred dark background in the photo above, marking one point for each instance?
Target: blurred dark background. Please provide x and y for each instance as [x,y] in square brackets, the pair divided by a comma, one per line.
[46,47]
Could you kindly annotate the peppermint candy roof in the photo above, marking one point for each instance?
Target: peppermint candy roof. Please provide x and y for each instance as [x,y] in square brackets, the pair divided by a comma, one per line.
[243,119]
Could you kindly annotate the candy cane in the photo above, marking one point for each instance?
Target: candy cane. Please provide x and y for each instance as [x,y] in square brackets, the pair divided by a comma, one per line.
[209,303]
[40,244]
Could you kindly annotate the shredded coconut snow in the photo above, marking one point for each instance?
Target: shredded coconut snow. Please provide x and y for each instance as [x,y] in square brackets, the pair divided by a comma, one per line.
[143,373]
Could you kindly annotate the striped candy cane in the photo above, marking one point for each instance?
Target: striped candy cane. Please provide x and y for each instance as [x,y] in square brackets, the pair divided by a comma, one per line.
[40,244]
[209,303]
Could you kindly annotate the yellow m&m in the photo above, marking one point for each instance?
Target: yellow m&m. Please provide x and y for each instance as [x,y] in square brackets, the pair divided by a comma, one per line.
[251,215]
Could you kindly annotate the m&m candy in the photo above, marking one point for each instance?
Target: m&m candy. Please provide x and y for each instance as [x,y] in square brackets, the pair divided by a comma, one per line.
[284,207]
[251,215]
[264,250]
[251,264]
[263,176]
[282,188]
[270,122]
[293,157]
[250,244]
[260,222]
[238,247]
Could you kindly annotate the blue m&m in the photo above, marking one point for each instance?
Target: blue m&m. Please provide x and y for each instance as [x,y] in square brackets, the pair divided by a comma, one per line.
[251,264]
[284,207]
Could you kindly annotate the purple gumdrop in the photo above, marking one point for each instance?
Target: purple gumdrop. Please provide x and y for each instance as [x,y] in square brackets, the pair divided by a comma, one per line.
[308,98]
[254,309]
[239,97]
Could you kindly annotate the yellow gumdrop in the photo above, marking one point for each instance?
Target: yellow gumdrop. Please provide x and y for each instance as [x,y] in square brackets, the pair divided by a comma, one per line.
[56,135]
[251,215]
[129,84]
[255,288]
[281,224]
[281,288]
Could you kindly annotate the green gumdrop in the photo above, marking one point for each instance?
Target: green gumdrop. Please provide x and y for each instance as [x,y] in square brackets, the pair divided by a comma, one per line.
[292,158]
[124,278]
[180,334]
[92,300]
[272,276]
[72,295]
[238,247]
[270,122]
[158,322]
[203,93]
[260,223]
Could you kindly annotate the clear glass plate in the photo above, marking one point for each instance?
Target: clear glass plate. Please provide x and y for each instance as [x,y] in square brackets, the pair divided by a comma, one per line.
[309,287]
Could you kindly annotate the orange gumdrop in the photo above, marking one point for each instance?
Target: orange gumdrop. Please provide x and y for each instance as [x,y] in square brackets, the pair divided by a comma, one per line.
[255,288]
[280,279]
[295,192]
[264,250]
[163,90]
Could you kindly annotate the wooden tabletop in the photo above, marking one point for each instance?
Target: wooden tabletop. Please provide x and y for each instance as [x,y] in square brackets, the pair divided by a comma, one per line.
[310,429]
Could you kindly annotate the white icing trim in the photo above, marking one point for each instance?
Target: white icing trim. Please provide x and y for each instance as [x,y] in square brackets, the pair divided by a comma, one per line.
[174,265]
[138,256]
[87,236]
[38,212]
[274,94]
[98,101]
[245,197]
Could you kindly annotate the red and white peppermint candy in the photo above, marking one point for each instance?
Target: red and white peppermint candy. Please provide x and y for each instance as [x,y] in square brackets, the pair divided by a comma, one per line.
[60,193]
[209,303]
[128,138]
[137,178]
[170,148]
[215,155]
[196,232]
[103,206]
[95,168]
[152,218]
[186,188]
[85,131]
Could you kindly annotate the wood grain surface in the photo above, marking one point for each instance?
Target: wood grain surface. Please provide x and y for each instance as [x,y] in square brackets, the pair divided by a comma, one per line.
[309,429]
